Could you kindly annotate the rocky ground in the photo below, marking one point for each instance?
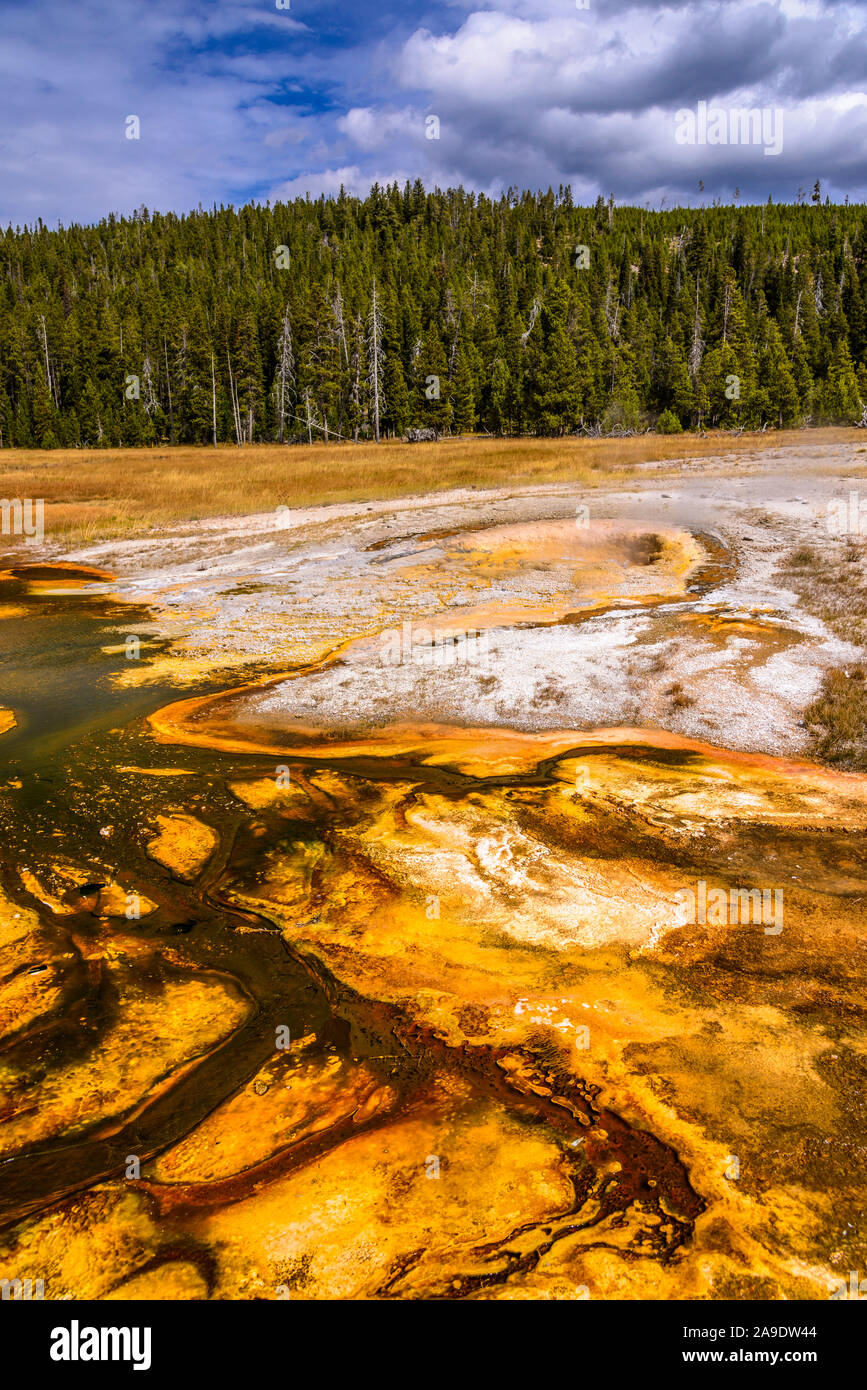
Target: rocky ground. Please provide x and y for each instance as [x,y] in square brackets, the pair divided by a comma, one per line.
[721,650]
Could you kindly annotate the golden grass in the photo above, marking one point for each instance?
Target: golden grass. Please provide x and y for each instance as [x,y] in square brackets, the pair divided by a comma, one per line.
[838,719]
[831,581]
[98,494]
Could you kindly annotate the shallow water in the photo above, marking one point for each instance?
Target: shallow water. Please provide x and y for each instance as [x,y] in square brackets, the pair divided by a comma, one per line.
[436,915]
[63,781]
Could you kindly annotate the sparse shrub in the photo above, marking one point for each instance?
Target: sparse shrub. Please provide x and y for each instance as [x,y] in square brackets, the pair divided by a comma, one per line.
[678,696]
[549,692]
[621,415]
[831,584]
[802,557]
[838,719]
[668,423]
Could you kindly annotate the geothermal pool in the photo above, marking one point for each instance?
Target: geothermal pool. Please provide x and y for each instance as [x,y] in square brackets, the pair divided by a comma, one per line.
[343,941]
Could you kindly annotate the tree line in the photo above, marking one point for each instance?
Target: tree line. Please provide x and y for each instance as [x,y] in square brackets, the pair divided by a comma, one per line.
[446,310]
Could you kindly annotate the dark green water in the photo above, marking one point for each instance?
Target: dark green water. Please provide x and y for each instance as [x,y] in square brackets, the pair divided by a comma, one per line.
[56,676]
[69,793]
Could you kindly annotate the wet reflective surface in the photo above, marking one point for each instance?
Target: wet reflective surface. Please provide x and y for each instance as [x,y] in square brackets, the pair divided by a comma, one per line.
[300,1002]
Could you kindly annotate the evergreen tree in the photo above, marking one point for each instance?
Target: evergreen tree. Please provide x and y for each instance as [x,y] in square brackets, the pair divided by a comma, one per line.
[463,395]
[500,412]
[723,316]
[840,397]
[776,382]
[430,403]
[397,412]
[554,374]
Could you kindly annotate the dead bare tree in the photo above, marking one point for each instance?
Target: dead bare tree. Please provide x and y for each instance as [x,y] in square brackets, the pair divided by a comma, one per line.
[341,323]
[534,314]
[214,399]
[286,368]
[727,306]
[49,379]
[697,349]
[236,409]
[374,352]
[169,385]
[150,396]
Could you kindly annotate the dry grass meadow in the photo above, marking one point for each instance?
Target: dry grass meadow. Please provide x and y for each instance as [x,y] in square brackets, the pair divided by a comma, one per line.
[834,587]
[98,494]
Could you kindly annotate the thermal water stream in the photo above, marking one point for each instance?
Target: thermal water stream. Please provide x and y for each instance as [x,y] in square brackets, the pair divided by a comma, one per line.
[507,1068]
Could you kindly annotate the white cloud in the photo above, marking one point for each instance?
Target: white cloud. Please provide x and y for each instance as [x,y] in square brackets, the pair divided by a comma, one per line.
[372,128]
[238,98]
[324,181]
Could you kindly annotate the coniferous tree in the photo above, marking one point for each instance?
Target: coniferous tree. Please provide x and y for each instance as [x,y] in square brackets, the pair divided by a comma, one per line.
[840,398]
[776,381]
[487,319]
[554,370]
[430,401]
[463,395]
[500,410]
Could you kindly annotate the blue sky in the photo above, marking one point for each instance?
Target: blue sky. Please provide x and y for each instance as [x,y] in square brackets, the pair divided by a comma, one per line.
[242,100]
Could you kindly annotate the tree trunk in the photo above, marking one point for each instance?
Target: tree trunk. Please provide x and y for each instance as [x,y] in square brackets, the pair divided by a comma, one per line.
[236,412]
[169,385]
[214,399]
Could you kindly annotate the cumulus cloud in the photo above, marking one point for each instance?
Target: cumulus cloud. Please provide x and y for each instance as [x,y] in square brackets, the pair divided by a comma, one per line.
[242,100]
[324,182]
[373,127]
[591,98]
